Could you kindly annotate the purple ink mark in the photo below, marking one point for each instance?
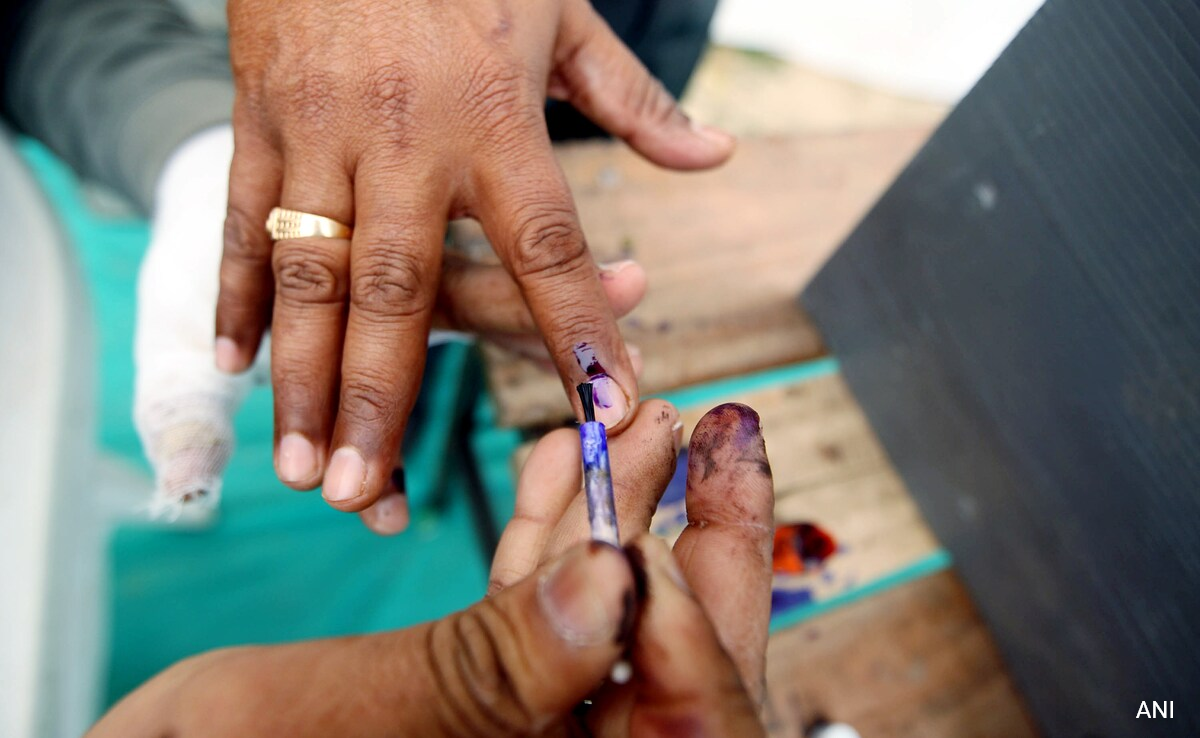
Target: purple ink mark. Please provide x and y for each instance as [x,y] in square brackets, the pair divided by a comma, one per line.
[729,425]
[782,599]
[603,387]
[670,517]
[677,488]
[597,483]
[586,356]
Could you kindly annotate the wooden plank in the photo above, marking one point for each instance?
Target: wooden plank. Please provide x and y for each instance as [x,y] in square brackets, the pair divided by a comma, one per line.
[912,661]
[726,253]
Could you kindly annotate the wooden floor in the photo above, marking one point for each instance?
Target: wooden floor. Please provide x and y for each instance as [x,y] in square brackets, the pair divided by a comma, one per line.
[912,661]
[726,253]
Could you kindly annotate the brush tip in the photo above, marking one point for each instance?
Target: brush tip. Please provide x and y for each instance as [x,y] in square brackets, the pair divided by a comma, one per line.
[589,404]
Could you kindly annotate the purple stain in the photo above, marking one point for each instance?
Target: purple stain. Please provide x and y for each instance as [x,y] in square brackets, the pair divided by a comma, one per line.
[602,385]
[786,599]
[671,515]
[602,391]
[597,483]
[676,490]
[586,356]
[731,425]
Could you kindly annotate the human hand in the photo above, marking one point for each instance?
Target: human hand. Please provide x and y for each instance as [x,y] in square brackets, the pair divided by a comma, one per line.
[184,406]
[518,663]
[396,116]
[693,622]
[483,300]
[725,551]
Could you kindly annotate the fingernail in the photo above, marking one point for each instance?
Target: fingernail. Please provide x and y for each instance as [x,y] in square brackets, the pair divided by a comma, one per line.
[297,458]
[346,476]
[229,359]
[635,358]
[713,135]
[388,516]
[611,403]
[612,269]
[584,597]
[677,435]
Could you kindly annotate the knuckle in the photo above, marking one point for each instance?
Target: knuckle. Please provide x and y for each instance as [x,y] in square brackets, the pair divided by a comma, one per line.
[364,401]
[311,97]
[650,101]
[388,92]
[574,323]
[548,244]
[391,285]
[485,696]
[495,98]
[308,276]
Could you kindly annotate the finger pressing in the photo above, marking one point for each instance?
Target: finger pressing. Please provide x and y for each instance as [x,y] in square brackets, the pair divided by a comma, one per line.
[244,299]
[725,551]
[528,214]
[601,77]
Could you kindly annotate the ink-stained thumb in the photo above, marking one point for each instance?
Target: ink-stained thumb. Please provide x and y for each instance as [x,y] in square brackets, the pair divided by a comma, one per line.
[526,657]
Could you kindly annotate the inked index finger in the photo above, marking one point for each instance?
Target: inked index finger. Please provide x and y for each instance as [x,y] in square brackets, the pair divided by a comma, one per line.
[529,215]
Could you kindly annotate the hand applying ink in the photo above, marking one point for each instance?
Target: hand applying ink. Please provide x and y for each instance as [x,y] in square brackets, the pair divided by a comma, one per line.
[522,661]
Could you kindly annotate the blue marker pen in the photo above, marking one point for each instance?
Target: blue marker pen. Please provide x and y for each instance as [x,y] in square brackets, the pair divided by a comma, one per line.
[597,481]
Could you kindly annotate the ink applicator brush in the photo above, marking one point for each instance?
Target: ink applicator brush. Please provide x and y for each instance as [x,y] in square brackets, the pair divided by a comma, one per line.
[597,485]
[597,480]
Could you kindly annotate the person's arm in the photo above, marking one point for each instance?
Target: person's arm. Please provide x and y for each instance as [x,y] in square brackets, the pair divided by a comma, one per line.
[692,623]
[114,86]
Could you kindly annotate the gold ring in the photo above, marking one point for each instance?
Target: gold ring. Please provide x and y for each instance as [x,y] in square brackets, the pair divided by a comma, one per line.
[283,223]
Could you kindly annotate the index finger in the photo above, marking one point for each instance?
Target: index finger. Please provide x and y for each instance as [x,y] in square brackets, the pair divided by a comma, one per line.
[725,551]
[529,215]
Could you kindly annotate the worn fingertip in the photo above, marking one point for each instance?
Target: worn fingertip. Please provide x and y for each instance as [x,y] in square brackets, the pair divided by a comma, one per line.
[728,436]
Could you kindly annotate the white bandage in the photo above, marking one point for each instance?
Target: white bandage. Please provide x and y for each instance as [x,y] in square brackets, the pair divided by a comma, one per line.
[184,406]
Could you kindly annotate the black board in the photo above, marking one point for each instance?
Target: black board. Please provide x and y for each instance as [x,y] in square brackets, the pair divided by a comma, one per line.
[1019,316]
